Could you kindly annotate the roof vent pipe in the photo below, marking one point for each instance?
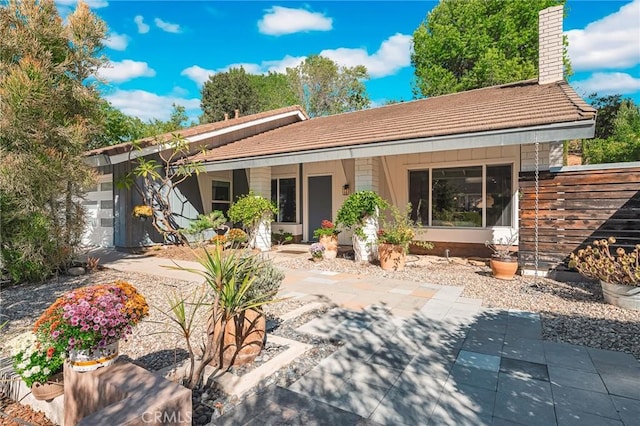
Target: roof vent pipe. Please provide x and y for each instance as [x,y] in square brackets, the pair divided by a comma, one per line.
[226,116]
[237,113]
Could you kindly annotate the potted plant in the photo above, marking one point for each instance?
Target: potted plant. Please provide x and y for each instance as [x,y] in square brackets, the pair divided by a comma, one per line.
[256,214]
[360,214]
[240,282]
[327,235]
[619,274]
[87,323]
[317,252]
[236,237]
[39,364]
[142,212]
[213,222]
[394,236]
[504,263]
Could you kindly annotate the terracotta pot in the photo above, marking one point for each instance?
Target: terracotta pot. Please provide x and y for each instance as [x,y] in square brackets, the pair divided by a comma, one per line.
[623,296]
[243,338]
[89,360]
[504,268]
[330,243]
[47,391]
[392,257]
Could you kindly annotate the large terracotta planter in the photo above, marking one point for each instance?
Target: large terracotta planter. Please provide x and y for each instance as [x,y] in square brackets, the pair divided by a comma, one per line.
[49,390]
[243,339]
[330,243]
[504,268]
[392,257]
[623,296]
[89,360]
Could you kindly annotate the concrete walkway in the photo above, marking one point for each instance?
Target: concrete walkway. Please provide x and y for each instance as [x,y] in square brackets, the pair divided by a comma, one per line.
[421,354]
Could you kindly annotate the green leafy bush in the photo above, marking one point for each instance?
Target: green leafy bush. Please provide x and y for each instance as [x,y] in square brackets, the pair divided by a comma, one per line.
[358,206]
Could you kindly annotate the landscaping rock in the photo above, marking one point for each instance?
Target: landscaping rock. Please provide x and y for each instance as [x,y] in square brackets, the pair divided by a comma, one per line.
[76,271]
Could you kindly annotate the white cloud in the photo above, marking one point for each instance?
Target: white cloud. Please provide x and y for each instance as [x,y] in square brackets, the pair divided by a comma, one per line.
[283,20]
[167,26]
[611,42]
[116,41]
[117,72]
[146,105]
[608,84]
[94,4]
[197,74]
[142,27]
[394,53]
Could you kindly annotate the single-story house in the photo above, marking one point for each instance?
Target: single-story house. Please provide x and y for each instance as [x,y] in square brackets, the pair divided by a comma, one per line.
[456,158]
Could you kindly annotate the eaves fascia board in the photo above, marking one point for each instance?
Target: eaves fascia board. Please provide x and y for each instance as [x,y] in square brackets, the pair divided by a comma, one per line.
[153,149]
[506,137]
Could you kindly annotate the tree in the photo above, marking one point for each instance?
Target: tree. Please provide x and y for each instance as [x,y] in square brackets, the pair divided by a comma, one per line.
[225,92]
[274,91]
[48,115]
[608,107]
[177,121]
[469,44]
[624,142]
[324,88]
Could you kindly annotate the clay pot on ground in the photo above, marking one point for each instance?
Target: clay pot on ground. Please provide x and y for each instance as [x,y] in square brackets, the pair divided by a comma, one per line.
[243,339]
[47,391]
[330,243]
[504,268]
[392,257]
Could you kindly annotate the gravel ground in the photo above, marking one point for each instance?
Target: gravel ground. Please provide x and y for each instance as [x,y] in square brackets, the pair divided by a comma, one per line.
[572,313]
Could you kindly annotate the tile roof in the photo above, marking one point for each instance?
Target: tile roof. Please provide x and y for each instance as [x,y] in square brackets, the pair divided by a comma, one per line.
[194,131]
[515,105]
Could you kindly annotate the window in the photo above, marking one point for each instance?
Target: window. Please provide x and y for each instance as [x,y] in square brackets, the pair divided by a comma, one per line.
[283,193]
[220,195]
[419,196]
[499,194]
[458,196]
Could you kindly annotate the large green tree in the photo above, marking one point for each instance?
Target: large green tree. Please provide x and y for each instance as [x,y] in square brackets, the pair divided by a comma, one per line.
[623,143]
[608,107]
[274,91]
[324,88]
[48,115]
[224,92]
[467,44]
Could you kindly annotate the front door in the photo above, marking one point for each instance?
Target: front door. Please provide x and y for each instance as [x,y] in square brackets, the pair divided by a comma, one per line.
[320,195]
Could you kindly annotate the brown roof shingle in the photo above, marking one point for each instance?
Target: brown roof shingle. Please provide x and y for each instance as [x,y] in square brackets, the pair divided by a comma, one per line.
[507,106]
[194,131]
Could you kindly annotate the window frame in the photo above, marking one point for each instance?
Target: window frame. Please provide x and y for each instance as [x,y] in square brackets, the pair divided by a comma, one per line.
[212,201]
[430,168]
[277,196]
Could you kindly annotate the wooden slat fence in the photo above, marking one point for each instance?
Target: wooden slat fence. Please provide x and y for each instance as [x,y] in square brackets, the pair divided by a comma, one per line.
[578,205]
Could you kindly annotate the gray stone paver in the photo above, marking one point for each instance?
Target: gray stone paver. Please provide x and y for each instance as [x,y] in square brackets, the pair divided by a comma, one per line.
[428,382]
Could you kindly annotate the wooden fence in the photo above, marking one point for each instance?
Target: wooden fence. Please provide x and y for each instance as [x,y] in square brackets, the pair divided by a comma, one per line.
[578,205]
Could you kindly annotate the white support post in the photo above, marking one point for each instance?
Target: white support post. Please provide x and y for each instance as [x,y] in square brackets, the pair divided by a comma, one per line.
[260,184]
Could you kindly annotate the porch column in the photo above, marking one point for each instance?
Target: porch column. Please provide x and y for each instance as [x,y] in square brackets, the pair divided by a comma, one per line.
[556,154]
[367,174]
[367,179]
[260,184]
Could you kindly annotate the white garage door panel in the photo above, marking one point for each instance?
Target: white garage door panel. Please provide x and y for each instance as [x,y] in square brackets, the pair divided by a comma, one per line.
[99,206]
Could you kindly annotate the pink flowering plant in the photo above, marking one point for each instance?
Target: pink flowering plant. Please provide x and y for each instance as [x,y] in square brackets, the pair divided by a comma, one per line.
[92,317]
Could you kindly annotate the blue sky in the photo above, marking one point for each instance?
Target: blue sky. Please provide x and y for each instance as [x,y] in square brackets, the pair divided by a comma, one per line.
[162,51]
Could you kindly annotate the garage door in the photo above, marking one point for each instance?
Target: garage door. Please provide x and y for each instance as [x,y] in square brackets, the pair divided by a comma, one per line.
[99,206]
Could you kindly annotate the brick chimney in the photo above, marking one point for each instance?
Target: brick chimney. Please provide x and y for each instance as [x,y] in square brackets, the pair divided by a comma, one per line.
[550,66]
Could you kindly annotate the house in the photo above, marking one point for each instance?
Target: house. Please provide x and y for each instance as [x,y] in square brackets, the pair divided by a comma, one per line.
[456,158]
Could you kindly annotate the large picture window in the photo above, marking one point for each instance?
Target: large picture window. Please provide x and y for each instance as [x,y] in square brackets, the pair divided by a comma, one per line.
[283,193]
[220,195]
[462,196]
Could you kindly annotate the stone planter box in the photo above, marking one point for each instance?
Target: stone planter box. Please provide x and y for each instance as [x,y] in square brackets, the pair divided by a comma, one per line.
[623,296]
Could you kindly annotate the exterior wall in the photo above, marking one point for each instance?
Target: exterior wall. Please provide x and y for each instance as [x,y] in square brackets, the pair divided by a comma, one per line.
[289,171]
[99,211]
[528,156]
